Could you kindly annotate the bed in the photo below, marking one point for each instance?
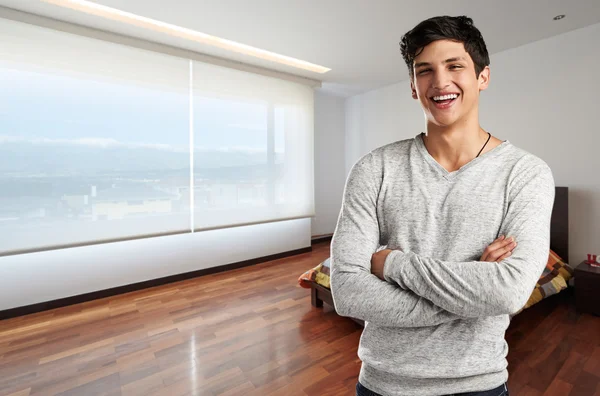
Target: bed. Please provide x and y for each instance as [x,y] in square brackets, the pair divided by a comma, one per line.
[557,275]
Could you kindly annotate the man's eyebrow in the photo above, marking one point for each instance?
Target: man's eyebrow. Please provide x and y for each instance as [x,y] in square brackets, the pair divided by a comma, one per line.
[421,64]
[449,60]
[455,59]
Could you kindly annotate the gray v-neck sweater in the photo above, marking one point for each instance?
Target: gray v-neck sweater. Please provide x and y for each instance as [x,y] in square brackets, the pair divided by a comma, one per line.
[437,325]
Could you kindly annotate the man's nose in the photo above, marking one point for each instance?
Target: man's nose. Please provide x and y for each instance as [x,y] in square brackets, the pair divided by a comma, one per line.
[441,80]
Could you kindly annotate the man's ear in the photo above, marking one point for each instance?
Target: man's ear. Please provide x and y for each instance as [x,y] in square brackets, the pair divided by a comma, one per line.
[484,78]
[412,88]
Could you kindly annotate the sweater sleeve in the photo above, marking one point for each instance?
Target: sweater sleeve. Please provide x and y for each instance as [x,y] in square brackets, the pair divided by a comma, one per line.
[356,292]
[480,288]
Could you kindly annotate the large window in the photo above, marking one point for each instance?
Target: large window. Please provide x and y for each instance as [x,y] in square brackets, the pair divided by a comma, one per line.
[253,158]
[100,142]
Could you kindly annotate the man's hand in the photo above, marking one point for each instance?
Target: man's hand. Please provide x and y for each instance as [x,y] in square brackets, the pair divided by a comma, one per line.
[499,249]
[377,262]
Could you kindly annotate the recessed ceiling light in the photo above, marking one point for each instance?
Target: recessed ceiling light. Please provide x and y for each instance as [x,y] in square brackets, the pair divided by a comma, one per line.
[559,17]
[189,34]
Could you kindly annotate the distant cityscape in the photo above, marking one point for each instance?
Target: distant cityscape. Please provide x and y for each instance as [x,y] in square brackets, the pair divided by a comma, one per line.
[39,186]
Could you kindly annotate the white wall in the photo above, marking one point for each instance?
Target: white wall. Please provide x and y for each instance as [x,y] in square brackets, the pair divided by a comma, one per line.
[37,277]
[379,117]
[329,161]
[543,97]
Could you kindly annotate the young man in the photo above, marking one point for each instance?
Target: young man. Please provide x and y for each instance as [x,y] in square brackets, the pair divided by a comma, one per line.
[436,302]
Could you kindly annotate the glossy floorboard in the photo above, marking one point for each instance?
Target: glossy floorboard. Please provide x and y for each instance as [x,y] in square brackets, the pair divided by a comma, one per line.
[251,331]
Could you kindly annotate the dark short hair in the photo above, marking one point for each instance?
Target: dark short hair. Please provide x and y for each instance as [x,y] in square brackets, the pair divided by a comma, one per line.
[459,29]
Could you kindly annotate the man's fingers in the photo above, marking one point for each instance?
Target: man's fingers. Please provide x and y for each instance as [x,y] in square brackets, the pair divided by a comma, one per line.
[505,255]
[501,244]
[492,246]
[498,253]
[498,243]
[498,249]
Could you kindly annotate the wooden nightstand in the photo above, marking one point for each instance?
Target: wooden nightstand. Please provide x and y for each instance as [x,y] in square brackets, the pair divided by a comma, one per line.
[587,288]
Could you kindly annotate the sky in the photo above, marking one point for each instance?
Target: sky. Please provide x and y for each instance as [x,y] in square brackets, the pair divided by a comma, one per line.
[57,108]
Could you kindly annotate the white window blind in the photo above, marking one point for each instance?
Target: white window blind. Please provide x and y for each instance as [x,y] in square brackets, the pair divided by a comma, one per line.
[95,143]
[264,143]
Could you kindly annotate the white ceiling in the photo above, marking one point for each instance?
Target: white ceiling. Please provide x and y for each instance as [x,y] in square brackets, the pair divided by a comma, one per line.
[357,39]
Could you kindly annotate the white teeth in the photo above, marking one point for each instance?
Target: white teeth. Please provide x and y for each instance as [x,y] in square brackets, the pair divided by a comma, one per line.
[445,97]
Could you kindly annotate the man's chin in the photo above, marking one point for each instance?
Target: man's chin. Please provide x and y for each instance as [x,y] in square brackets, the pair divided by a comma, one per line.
[443,122]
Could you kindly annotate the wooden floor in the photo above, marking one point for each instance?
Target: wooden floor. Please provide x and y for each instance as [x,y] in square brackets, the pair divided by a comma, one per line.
[252,331]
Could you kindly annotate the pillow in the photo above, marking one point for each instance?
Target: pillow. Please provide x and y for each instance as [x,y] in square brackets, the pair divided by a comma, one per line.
[319,274]
[554,279]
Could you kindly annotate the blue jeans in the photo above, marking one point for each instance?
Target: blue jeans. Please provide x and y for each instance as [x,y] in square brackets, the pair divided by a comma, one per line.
[502,390]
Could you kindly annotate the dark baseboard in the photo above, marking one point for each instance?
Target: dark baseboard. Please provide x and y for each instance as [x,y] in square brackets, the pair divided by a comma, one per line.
[63,302]
[321,239]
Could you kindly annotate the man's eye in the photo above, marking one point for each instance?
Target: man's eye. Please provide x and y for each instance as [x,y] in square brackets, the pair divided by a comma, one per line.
[456,67]
[423,71]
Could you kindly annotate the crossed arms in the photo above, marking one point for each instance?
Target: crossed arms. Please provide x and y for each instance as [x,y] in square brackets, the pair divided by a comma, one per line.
[422,291]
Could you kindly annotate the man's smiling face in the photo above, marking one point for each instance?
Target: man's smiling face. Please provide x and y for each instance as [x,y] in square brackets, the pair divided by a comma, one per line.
[445,82]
